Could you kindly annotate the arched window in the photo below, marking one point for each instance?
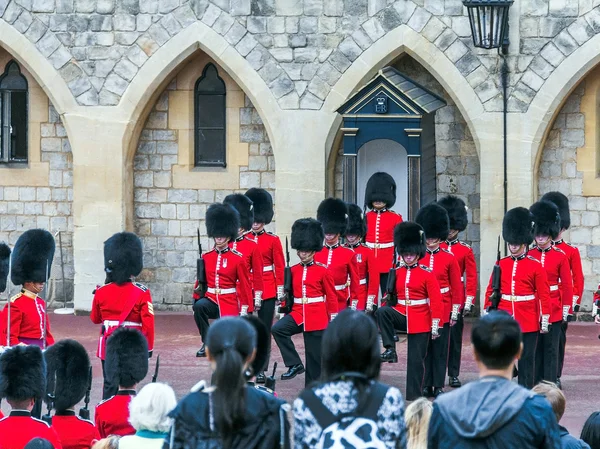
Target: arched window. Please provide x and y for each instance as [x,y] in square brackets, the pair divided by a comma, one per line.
[13,114]
[209,122]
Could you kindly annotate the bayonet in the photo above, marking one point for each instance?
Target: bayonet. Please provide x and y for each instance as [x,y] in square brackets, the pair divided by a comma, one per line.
[155,376]
[84,412]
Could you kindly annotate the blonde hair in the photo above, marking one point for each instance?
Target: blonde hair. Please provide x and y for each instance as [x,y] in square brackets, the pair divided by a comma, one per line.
[417,417]
[110,442]
[554,396]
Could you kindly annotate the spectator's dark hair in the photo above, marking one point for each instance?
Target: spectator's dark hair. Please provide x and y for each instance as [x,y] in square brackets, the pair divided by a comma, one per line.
[39,443]
[231,343]
[496,338]
[591,431]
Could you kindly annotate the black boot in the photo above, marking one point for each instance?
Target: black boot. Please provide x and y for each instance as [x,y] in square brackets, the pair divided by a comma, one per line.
[396,338]
[427,392]
[437,391]
[201,352]
[559,383]
[260,378]
[389,355]
[454,382]
[292,372]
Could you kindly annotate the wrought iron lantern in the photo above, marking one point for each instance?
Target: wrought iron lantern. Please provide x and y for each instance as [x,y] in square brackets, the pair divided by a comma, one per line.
[489,22]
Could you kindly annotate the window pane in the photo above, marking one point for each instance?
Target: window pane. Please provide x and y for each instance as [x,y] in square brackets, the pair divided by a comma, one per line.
[210,146]
[18,122]
[211,111]
[210,82]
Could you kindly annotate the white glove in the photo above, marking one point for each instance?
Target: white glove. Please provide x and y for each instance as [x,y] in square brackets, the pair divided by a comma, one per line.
[257,300]
[244,311]
[545,324]
[333,316]
[354,304]
[469,303]
[370,303]
[280,292]
[455,312]
[575,299]
[566,313]
[594,310]
[435,328]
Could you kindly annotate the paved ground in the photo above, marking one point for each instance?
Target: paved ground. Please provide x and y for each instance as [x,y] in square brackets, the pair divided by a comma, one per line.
[177,342]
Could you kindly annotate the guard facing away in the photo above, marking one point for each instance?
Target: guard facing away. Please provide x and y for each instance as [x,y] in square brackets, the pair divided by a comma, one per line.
[31,261]
[524,289]
[558,271]
[339,260]
[434,220]
[368,273]
[68,376]
[126,365]
[314,303]
[413,304]
[380,197]
[22,383]
[122,302]
[562,202]
[4,270]
[273,260]
[463,253]
[228,290]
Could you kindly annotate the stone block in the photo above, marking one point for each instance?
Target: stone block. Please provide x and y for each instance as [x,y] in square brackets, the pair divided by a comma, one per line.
[307,54]
[288,7]
[182,196]
[36,31]
[252,133]
[541,67]
[564,8]
[532,80]
[456,51]
[581,31]
[581,236]
[211,15]
[12,12]
[235,33]
[418,19]
[246,45]
[590,218]
[565,43]
[115,84]
[168,211]
[297,41]
[333,8]
[373,28]
[319,88]
[275,25]
[183,212]
[160,227]
[48,44]
[108,6]
[23,22]
[257,24]
[125,69]
[171,25]
[124,22]
[573,138]
[445,39]
[552,54]
[350,49]
[308,25]
[534,7]
[257,163]
[311,102]
[313,7]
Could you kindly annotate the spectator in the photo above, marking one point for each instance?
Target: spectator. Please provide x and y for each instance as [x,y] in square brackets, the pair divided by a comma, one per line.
[493,411]
[111,442]
[39,443]
[558,401]
[591,431]
[230,414]
[148,415]
[417,417]
[351,367]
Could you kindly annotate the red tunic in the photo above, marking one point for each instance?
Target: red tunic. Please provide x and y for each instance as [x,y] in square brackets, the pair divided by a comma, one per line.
[368,274]
[466,263]
[254,263]
[446,270]
[27,312]
[380,236]
[558,272]
[341,263]
[524,287]
[112,415]
[111,301]
[73,431]
[19,428]
[576,269]
[419,297]
[315,298]
[273,262]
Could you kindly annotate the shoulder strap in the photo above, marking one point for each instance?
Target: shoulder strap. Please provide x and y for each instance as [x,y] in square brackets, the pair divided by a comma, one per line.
[377,394]
[321,413]
[129,305]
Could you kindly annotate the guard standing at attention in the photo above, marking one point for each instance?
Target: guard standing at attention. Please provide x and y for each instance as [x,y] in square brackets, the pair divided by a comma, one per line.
[4,269]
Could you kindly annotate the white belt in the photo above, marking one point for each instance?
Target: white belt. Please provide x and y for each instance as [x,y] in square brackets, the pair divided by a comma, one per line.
[413,302]
[362,281]
[268,268]
[380,245]
[515,298]
[221,291]
[113,323]
[553,288]
[308,300]
[462,279]
[444,290]
[341,287]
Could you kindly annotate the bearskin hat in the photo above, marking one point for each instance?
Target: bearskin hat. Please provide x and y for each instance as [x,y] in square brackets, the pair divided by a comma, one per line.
[546,218]
[517,226]
[126,362]
[333,215]
[433,218]
[68,371]
[263,205]
[562,202]
[22,373]
[245,208]
[356,221]
[222,220]
[307,235]
[380,187]
[4,265]
[32,257]
[123,257]
[457,212]
[409,238]
[263,344]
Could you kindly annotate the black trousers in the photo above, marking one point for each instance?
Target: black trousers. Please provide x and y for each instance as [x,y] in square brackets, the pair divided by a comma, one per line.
[204,310]
[546,356]
[389,320]
[562,342]
[437,358]
[527,360]
[455,349]
[266,314]
[108,388]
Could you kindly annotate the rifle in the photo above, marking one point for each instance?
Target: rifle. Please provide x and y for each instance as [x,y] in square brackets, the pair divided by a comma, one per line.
[391,295]
[270,380]
[155,376]
[51,397]
[200,271]
[496,275]
[286,307]
[84,412]
[46,306]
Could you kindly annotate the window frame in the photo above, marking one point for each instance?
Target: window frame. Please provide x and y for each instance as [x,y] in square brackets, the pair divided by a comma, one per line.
[5,94]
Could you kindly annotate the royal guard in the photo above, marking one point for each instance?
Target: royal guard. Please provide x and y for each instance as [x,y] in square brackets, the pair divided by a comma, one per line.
[273,260]
[368,274]
[380,197]
[414,305]
[126,365]
[227,290]
[562,202]
[339,260]
[31,261]
[463,253]
[122,302]
[22,383]
[558,271]
[4,269]
[68,376]
[523,290]
[314,303]
[247,246]
[434,220]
